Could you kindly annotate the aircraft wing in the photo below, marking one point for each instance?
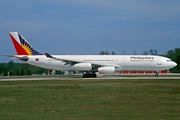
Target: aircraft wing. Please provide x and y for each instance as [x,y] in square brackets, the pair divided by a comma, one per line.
[23,58]
[72,62]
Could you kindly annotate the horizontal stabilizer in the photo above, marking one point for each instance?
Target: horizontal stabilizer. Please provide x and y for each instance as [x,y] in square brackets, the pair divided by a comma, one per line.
[23,58]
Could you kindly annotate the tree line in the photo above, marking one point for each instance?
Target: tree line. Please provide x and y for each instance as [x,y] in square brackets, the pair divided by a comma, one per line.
[20,69]
[150,52]
[17,69]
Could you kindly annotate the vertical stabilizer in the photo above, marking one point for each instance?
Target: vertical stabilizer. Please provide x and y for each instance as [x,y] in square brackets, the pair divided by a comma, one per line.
[21,45]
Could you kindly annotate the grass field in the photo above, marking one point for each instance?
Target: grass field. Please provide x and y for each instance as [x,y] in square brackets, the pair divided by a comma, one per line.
[90,99]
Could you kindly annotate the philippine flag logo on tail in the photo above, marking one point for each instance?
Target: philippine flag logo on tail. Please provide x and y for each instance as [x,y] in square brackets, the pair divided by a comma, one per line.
[21,45]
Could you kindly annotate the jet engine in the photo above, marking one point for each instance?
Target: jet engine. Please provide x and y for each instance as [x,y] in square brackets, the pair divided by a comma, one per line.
[108,70]
[83,66]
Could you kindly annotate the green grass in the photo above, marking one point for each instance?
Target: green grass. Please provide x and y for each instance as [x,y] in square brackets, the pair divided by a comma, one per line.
[90,99]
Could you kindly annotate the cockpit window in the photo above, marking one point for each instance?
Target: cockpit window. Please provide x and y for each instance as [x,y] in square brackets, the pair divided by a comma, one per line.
[168,60]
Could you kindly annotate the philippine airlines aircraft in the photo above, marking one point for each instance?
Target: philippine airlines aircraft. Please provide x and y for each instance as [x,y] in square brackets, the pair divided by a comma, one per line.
[89,64]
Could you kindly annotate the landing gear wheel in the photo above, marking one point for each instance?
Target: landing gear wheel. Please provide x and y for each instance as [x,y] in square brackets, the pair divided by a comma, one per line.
[84,76]
[156,75]
[94,75]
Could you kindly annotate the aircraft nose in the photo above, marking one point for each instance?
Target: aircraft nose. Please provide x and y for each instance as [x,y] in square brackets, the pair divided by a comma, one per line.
[174,64]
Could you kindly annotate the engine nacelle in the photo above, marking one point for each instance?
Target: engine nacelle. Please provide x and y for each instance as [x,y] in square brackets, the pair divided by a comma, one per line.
[83,66]
[107,70]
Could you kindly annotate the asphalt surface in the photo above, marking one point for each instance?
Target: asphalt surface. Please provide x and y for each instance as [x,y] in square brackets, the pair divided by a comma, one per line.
[79,77]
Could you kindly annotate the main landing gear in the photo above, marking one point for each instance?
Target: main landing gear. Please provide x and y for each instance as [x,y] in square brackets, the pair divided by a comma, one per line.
[89,75]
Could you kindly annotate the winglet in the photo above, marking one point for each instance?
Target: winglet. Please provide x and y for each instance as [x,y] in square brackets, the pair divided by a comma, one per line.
[48,55]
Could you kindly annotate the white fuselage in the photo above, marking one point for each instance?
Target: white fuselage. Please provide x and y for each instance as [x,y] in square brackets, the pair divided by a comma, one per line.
[119,62]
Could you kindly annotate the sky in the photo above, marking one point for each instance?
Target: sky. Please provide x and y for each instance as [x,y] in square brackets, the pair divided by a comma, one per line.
[91,26]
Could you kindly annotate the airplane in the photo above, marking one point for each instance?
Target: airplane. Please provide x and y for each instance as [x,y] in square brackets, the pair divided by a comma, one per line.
[89,64]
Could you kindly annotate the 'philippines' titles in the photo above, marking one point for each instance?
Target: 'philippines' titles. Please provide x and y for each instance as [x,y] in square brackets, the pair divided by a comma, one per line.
[141,58]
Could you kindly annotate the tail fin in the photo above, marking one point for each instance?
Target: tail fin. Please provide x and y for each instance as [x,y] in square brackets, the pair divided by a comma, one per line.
[21,45]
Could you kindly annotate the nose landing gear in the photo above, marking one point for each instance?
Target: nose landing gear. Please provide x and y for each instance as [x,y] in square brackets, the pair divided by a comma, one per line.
[157,74]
